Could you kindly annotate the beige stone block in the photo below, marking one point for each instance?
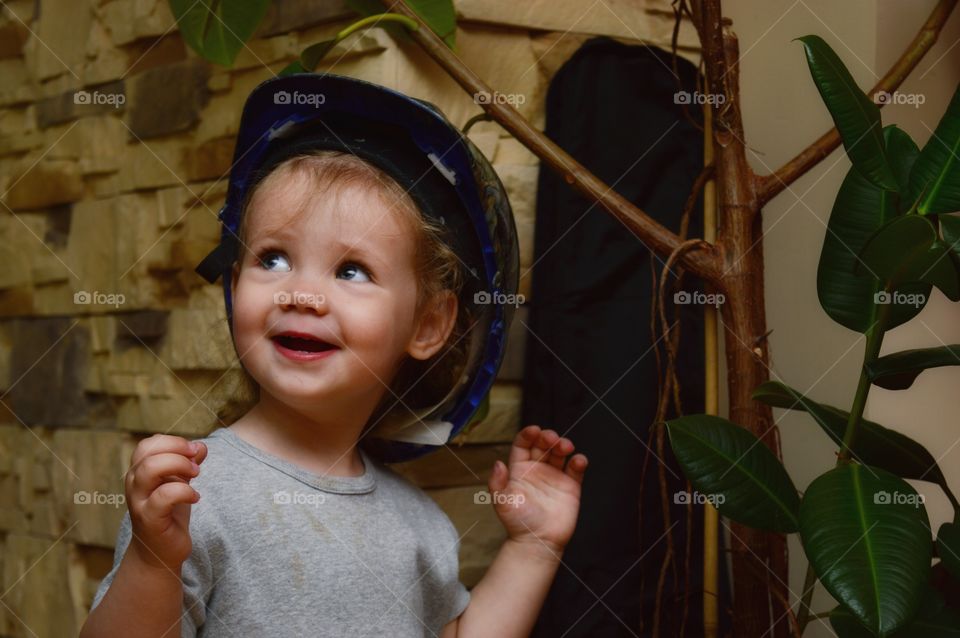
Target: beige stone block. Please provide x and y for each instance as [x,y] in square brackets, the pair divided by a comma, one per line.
[18,231]
[481,533]
[171,206]
[182,415]
[198,340]
[58,43]
[16,120]
[35,587]
[102,333]
[135,19]
[262,53]
[14,143]
[49,268]
[110,247]
[97,143]
[220,117]
[220,82]
[88,482]
[43,183]
[19,86]
[362,43]
[90,248]
[152,164]
[34,457]
[503,420]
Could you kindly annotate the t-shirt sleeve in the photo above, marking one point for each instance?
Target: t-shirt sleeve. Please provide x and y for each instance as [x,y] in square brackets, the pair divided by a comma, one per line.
[457,596]
[196,574]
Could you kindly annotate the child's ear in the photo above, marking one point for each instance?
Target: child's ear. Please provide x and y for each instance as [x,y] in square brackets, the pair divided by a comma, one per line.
[436,322]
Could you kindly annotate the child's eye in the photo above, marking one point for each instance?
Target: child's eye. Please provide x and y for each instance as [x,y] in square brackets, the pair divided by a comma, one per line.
[272,259]
[356,268]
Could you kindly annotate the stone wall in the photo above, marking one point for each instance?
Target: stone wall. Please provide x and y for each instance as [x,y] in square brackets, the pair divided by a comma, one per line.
[115,142]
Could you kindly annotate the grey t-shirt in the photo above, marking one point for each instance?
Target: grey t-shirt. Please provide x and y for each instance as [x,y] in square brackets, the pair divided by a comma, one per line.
[279,551]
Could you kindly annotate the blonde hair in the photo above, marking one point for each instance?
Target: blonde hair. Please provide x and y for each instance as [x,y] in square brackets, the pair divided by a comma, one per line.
[417,384]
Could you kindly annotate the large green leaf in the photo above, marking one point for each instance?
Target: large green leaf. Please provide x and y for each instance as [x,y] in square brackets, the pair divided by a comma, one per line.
[899,370]
[935,179]
[948,548]
[867,536]
[908,249]
[218,29]
[874,444]
[856,116]
[860,209]
[950,226]
[932,621]
[439,15]
[721,458]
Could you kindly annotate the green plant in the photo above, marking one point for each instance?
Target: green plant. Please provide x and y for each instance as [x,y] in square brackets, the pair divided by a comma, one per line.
[218,30]
[890,240]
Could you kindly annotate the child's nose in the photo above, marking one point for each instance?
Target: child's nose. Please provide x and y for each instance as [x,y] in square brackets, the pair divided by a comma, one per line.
[303,297]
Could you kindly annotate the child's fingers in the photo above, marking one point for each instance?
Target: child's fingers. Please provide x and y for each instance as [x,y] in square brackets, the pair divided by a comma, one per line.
[153,470]
[520,451]
[160,443]
[201,452]
[542,448]
[559,452]
[499,477]
[576,467]
[160,504]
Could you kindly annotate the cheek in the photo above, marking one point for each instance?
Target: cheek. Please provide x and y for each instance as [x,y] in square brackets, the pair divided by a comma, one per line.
[248,312]
[378,326]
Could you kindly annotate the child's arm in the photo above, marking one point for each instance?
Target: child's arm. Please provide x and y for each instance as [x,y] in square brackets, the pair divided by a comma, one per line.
[537,501]
[146,596]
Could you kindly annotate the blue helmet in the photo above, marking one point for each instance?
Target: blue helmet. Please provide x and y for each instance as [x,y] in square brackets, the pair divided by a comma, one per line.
[446,176]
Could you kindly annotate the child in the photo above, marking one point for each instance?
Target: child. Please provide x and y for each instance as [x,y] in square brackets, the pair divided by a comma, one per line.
[369,249]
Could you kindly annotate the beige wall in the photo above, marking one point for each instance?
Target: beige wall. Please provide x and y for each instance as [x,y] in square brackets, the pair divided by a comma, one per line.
[782,114]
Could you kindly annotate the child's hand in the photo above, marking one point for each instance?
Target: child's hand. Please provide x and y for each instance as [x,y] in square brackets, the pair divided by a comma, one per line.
[538,499]
[159,498]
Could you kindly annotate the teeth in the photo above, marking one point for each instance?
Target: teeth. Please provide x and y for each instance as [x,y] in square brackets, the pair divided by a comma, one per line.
[302,344]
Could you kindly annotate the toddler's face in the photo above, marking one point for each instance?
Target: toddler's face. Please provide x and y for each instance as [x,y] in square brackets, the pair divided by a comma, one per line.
[339,267]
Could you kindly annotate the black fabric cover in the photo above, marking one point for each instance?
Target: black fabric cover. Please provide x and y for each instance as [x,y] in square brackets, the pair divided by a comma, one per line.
[590,371]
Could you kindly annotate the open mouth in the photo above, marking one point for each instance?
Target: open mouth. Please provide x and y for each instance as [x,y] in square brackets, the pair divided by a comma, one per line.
[303,344]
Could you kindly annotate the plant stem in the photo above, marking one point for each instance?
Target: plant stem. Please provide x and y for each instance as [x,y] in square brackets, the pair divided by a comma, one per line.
[809,583]
[376,19]
[871,352]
